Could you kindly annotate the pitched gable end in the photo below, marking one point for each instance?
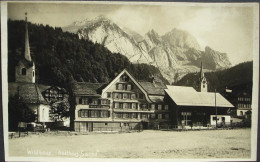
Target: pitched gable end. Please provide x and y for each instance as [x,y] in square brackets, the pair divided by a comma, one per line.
[133,80]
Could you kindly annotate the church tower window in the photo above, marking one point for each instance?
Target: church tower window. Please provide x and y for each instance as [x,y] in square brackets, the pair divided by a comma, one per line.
[23,71]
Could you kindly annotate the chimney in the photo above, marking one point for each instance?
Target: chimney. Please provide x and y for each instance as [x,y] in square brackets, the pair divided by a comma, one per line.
[153,80]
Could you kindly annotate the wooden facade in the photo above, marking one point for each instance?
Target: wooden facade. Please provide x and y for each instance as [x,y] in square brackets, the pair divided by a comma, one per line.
[201,111]
[121,104]
[54,94]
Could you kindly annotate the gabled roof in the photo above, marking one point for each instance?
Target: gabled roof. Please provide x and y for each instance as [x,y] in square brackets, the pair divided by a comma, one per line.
[85,88]
[45,88]
[29,92]
[132,78]
[156,99]
[187,97]
[180,88]
[153,88]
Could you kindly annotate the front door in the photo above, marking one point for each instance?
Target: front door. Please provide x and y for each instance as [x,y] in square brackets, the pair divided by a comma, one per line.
[90,126]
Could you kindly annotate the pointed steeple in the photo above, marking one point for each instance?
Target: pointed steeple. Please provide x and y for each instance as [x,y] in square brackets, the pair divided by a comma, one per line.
[27,54]
[201,72]
[25,70]
[203,81]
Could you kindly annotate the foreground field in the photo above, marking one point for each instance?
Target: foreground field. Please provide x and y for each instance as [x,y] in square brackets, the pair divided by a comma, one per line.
[146,144]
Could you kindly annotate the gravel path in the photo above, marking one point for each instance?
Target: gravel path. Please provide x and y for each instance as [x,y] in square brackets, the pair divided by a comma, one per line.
[146,144]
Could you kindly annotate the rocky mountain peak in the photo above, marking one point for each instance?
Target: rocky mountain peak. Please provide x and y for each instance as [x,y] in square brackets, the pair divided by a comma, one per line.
[76,25]
[181,38]
[208,49]
[153,37]
[214,59]
[176,53]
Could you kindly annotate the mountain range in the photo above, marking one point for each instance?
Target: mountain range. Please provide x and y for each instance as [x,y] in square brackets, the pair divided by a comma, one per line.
[175,53]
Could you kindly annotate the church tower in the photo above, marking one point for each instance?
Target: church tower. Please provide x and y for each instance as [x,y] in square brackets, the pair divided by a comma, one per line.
[25,69]
[202,81]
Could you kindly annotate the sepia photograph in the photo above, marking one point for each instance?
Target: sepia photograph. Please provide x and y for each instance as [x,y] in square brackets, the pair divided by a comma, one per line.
[139,81]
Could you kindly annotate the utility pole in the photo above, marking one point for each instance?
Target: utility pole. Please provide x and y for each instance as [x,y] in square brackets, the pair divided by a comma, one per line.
[216,110]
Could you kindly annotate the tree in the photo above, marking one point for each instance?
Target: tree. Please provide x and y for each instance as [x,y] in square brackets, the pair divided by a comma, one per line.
[59,110]
[18,111]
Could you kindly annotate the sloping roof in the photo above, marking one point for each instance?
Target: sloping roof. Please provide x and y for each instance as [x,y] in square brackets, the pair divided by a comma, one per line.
[193,98]
[43,87]
[84,88]
[180,88]
[156,98]
[25,62]
[12,88]
[153,88]
[29,92]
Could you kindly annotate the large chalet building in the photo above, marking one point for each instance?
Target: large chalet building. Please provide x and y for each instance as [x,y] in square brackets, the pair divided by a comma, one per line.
[126,103]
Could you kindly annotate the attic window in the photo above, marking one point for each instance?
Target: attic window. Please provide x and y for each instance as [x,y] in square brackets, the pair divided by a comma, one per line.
[124,78]
[23,71]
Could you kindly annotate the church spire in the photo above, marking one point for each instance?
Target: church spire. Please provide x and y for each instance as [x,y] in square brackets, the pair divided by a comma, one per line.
[27,54]
[201,72]
[203,81]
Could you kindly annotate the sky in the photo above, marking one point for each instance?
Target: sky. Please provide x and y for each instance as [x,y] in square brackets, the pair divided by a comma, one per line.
[225,28]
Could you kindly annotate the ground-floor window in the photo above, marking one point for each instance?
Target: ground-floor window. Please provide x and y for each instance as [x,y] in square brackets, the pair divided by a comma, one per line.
[186,118]
[241,113]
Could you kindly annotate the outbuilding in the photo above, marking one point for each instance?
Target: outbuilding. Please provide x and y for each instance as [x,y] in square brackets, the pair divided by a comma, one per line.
[190,108]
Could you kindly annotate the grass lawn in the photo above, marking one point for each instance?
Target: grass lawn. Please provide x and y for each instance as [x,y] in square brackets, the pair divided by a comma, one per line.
[147,144]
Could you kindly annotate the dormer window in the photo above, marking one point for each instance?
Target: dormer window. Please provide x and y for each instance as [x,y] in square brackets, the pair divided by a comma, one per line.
[23,71]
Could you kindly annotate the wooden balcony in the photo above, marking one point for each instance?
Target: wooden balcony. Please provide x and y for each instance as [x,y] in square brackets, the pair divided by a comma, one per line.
[93,107]
[134,110]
